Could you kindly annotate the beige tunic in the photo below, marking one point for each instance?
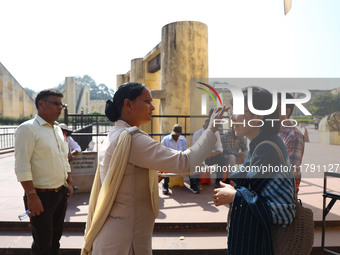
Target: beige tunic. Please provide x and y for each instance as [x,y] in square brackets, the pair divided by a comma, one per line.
[128,229]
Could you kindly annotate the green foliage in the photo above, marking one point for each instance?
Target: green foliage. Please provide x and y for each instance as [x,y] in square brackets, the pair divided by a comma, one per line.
[18,121]
[87,119]
[30,92]
[102,118]
[305,119]
[324,104]
[100,92]
[60,87]
[61,119]
[95,113]
[12,121]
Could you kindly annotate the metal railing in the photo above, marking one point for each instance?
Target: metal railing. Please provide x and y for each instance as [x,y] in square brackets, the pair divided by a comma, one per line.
[7,138]
[178,119]
[99,122]
[78,121]
[102,125]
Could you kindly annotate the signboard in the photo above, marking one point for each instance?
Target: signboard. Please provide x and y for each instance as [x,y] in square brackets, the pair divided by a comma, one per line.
[83,169]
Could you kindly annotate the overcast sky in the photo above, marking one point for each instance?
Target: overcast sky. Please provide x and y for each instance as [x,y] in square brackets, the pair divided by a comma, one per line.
[43,41]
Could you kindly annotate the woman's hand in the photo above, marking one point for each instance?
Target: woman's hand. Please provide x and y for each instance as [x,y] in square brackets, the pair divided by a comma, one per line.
[224,195]
[217,115]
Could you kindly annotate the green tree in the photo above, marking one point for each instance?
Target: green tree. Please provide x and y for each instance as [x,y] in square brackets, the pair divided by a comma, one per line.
[324,104]
[30,92]
[97,92]
[60,87]
[87,80]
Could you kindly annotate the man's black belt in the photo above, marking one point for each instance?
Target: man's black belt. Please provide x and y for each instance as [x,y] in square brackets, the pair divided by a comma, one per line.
[45,190]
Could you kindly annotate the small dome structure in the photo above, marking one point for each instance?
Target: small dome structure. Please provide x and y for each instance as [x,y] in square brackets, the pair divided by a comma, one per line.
[329,128]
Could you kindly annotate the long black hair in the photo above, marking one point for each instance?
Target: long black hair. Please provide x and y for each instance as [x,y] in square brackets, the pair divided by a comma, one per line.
[130,90]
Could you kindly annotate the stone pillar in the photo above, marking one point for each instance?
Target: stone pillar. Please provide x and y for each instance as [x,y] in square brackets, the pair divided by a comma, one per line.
[137,73]
[184,56]
[70,94]
[120,79]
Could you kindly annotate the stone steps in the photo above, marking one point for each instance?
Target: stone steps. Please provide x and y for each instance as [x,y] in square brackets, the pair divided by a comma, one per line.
[199,238]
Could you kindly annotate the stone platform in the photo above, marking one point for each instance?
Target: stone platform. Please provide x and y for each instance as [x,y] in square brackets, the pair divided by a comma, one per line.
[179,207]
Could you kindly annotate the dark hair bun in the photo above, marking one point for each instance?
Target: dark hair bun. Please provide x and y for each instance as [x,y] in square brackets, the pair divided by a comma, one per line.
[111,111]
[131,91]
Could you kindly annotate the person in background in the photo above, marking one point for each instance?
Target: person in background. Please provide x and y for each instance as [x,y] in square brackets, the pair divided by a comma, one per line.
[195,177]
[260,198]
[316,122]
[42,168]
[215,157]
[294,141]
[175,141]
[74,147]
[234,150]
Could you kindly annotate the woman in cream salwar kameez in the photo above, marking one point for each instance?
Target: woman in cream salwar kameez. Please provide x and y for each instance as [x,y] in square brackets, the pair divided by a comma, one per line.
[128,226]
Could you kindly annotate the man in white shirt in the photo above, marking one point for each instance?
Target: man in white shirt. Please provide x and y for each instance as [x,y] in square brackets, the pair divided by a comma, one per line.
[42,168]
[215,157]
[73,146]
[175,141]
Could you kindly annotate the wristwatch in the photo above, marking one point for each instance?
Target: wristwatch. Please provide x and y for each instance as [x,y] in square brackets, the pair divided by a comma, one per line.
[31,192]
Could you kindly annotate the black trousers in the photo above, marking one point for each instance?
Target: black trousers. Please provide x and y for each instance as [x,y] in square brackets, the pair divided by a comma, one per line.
[47,228]
[195,181]
[219,160]
[166,182]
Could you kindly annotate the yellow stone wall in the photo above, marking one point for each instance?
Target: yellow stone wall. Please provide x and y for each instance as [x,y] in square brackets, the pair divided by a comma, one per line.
[84,99]
[70,94]
[184,60]
[122,78]
[328,136]
[14,100]
[152,81]
[97,106]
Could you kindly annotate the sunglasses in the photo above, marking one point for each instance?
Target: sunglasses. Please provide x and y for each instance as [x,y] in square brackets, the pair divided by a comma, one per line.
[54,102]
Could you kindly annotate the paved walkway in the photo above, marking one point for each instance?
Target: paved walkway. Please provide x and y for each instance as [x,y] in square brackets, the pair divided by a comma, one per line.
[181,205]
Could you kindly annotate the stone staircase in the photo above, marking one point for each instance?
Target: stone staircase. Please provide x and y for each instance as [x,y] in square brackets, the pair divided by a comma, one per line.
[168,238]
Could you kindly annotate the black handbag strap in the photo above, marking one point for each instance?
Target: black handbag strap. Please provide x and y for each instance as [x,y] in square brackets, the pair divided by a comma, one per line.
[282,158]
[276,147]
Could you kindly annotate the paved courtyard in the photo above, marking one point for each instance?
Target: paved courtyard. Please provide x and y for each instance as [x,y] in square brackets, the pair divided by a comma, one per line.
[182,205]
